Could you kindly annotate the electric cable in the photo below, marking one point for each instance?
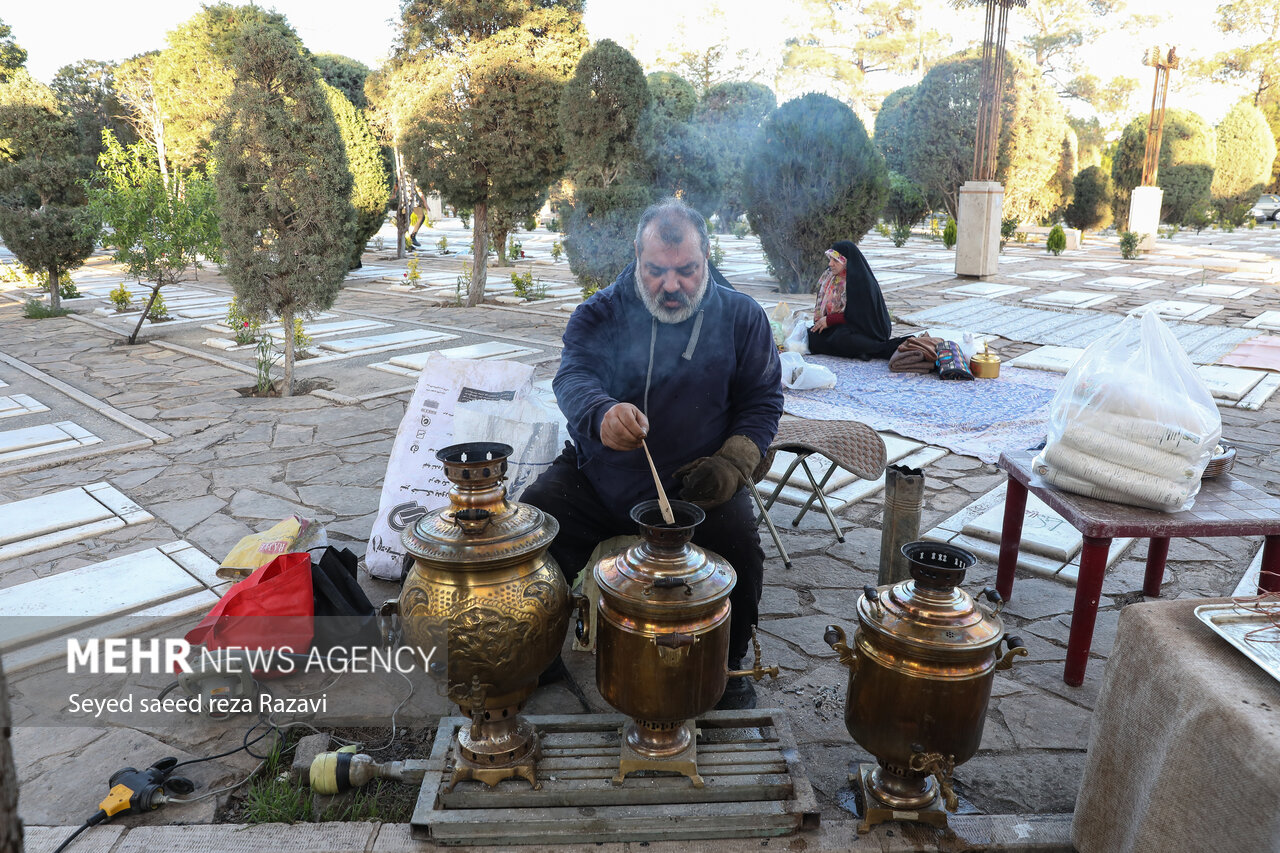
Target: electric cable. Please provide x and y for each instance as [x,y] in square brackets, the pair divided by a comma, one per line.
[169,688]
[93,821]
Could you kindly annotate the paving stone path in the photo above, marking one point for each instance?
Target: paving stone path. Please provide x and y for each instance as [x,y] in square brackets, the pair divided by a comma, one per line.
[184,466]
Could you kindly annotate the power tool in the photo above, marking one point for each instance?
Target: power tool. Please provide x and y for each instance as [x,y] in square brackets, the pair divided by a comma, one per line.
[137,791]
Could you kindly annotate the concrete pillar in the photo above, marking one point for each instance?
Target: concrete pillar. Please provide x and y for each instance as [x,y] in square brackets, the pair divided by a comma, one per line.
[978,228]
[1144,215]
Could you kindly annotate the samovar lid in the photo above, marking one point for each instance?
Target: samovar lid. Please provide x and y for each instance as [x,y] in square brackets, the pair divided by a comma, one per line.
[930,612]
[664,570]
[480,527]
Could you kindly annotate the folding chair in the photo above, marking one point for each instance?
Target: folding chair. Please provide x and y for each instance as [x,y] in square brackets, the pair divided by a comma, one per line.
[851,445]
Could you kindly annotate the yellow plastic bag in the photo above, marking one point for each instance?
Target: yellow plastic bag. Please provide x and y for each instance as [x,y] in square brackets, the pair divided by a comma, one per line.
[256,550]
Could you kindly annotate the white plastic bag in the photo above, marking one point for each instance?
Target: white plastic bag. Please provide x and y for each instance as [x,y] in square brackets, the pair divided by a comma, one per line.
[798,337]
[530,426]
[1132,421]
[799,375]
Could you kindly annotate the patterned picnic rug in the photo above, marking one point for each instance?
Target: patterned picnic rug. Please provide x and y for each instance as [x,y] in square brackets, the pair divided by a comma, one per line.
[981,418]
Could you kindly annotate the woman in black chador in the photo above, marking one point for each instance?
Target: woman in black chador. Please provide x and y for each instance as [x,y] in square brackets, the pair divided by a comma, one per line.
[850,319]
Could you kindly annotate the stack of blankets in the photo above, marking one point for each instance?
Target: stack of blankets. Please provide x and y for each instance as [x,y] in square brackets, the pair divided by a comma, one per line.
[916,355]
[1128,458]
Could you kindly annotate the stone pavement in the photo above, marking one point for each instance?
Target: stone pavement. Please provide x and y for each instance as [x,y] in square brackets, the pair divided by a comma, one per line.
[180,444]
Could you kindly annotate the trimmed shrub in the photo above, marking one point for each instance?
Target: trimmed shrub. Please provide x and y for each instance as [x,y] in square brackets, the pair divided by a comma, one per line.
[949,233]
[370,183]
[600,241]
[812,178]
[1129,245]
[1090,208]
[1056,241]
[906,205]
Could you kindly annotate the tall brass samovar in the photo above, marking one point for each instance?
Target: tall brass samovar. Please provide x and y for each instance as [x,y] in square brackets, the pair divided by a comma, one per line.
[662,639]
[484,592]
[921,666]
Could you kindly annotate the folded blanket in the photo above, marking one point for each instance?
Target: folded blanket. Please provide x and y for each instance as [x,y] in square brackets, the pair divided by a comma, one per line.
[912,361]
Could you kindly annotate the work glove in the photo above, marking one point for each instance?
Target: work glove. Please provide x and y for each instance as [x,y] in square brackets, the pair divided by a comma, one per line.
[711,480]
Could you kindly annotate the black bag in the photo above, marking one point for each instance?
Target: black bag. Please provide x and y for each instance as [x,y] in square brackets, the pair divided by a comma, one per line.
[344,615]
[951,363]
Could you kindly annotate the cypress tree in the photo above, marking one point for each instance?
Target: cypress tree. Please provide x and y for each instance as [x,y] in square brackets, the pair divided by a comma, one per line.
[283,185]
[370,183]
[600,114]
[43,218]
[1090,207]
[1246,150]
[812,178]
[729,115]
[1187,154]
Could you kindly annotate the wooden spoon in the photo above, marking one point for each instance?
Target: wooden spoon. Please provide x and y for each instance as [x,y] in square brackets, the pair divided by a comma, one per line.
[664,505]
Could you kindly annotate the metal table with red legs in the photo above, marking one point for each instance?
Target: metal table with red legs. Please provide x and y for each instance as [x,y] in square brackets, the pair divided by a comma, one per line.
[1225,506]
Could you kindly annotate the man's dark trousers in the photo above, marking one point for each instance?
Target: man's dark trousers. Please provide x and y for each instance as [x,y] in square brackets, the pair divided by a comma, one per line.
[729,530]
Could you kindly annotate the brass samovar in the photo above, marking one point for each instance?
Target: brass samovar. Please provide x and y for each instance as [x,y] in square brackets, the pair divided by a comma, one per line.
[662,639]
[484,593]
[921,666]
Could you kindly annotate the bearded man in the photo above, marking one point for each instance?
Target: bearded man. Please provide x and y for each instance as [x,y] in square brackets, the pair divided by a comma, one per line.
[667,355]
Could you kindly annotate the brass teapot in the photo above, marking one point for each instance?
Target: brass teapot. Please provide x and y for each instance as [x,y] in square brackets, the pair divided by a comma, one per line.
[922,664]
[484,593]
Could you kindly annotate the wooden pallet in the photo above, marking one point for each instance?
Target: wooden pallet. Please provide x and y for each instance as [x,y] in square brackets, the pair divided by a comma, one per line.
[755,786]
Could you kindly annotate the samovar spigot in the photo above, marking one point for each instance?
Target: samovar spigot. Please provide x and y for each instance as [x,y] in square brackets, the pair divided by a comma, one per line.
[475,707]
[756,672]
[941,766]
[835,637]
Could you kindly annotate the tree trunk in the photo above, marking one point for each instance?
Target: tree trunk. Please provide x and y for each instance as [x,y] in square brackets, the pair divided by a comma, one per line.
[479,254]
[500,244]
[286,319]
[155,291]
[10,825]
[157,128]
[55,293]
[402,199]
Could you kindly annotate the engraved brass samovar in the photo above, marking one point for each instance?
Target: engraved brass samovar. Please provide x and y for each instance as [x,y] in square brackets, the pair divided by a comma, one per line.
[484,593]
[662,639]
[922,664]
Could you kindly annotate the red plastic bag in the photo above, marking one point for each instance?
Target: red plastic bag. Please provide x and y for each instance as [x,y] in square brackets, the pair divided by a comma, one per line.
[273,608]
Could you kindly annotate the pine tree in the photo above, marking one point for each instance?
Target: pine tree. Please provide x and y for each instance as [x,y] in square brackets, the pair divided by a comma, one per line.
[283,185]
[371,185]
[1246,150]
[43,218]
[484,130]
[729,115]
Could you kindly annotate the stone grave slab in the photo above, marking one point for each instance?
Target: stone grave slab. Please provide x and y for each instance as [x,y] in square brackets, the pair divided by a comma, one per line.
[953,334]
[390,340]
[1008,260]
[1123,282]
[1261,393]
[1047,275]
[935,268]
[70,515]
[1219,291]
[1070,299]
[1264,277]
[1229,383]
[1168,270]
[187,608]
[45,438]
[339,327]
[1269,320]
[933,255]
[988,289]
[411,365]
[885,278]
[194,561]
[1095,265]
[58,604]
[3,384]
[859,489]
[1044,532]
[1052,358]
[20,404]
[1170,309]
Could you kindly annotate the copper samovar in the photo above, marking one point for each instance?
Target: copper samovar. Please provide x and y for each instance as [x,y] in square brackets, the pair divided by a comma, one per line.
[662,639]
[921,666]
[484,593]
